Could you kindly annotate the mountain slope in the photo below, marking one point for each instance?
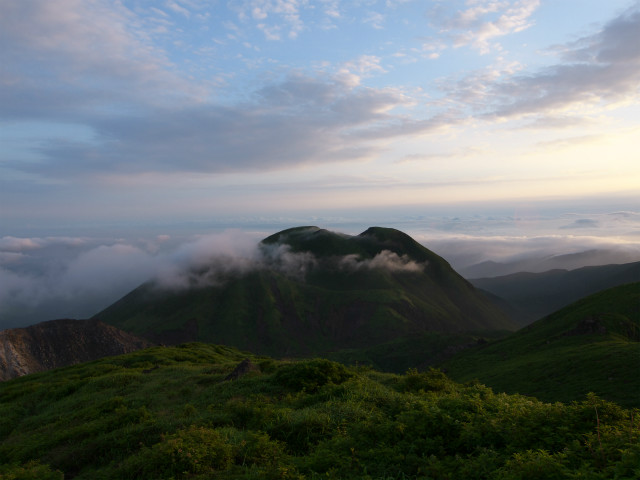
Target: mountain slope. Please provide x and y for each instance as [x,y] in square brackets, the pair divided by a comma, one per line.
[314,291]
[58,343]
[591,345]
[538,294]
[187,413]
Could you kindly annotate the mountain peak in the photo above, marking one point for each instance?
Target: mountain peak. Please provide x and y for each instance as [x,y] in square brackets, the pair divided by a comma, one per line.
[295,232]
[368,244]
[322,290]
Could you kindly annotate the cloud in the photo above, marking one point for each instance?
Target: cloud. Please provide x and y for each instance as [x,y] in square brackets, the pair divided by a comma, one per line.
[283,15]
[301,120]
[557,122]
[385,260]
[571,141]
[95,70]
[15,244]
[178,8]
[38,283]
[208,260]
[535,241]
[94,65]
[282,259]
[511,253]
[457,153]
[582,223]
[375,19]
[484,21]
[65,59]
[599,69]
[592,74]
[63,278]
[42,278]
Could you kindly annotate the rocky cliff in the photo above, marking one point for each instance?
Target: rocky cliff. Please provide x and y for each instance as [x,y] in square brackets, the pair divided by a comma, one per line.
[58,343]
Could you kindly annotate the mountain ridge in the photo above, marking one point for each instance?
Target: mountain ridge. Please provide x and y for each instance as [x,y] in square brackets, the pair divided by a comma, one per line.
[534,295]
[59,343]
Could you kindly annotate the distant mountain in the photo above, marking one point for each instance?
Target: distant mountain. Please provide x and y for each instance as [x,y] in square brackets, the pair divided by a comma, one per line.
[571,261]
[314,291]
[534,295]
[592,345]
[58,343]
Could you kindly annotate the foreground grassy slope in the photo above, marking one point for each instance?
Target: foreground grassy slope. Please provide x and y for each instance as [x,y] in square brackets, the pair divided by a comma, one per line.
[169,413]
[591,345]
[333,300]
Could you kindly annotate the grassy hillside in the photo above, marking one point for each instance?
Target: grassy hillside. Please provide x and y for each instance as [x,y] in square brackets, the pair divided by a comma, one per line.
[315,292]
[418,351]
[168,412]
[591,345]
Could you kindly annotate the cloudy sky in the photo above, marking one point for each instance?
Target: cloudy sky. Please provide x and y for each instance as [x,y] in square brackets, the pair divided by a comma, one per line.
[169,117]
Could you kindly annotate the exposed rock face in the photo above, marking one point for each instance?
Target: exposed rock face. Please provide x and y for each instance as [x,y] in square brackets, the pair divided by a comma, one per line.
[58,343]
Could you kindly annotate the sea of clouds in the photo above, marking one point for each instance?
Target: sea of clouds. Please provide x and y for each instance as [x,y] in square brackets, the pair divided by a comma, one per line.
[60,277]
[43,278]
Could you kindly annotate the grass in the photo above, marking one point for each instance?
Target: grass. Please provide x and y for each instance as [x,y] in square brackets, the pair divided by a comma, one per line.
[167,412]
[591,345]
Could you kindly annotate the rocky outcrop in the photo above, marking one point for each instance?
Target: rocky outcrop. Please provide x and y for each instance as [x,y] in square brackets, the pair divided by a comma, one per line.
[243,368]
[58,343]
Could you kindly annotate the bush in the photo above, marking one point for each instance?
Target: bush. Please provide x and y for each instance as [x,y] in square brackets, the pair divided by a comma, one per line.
[309,376]
[195,450]
[534,465]
[30,471]
[433,380]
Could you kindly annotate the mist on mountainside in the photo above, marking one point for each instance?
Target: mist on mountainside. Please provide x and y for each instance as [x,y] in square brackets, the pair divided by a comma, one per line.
[43,278]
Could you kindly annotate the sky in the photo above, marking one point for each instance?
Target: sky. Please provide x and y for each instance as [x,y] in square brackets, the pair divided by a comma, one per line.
[131,129]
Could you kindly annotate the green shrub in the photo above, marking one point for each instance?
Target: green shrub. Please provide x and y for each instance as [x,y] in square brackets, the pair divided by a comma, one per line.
[533,465]
[258,449]
[310,375]
[196,450]
[32,470]
[433,380]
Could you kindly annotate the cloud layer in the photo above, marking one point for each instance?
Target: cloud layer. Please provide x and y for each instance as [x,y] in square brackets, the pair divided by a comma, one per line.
[42,278]
[37,284]
[99,65]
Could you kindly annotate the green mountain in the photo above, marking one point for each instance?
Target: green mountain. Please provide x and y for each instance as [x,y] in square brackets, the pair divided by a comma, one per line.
[313,291]
[534,295]
[592,345]
[201,412]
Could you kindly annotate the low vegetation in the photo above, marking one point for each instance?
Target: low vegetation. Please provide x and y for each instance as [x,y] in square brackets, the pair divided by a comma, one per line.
[592,345]
[168,412]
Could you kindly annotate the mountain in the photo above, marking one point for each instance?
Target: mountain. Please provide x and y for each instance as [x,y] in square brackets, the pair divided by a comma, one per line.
[201,411]
[534,264]
[592,345]
[312,291]
[535,295]
[58,343]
